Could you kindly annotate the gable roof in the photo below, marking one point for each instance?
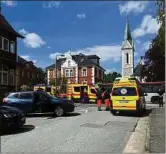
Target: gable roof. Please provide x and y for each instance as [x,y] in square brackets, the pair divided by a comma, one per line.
[4,24]
[50,67]
[81,60]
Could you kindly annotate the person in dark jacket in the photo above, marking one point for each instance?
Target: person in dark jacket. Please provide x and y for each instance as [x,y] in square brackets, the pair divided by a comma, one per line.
[160,92]
[99,99]
[107,100]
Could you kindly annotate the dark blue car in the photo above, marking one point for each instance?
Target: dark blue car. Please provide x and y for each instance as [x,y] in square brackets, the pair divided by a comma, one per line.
[30,102]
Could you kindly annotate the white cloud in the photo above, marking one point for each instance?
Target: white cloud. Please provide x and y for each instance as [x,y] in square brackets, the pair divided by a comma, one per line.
[105,52]
[48,47]
[81,16]
[52,4]
[149,25]
[10,3]
[27,57]
[133,6]
[32,40]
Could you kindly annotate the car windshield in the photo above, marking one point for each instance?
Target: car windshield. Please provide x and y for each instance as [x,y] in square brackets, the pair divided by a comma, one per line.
[124,91]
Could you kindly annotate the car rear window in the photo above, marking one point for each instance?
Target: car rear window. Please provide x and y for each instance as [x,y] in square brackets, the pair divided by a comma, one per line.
[26,96]
[124,91]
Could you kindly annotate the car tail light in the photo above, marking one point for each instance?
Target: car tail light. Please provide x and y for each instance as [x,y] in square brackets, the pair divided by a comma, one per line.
[4,100]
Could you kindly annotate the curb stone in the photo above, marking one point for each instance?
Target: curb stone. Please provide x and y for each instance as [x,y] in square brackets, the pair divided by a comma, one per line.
[138,142]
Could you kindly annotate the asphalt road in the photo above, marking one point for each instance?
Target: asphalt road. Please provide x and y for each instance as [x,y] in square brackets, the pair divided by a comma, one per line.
[86,130]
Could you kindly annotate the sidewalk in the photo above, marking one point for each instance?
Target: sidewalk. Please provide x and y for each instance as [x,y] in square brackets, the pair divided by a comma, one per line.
[157,131]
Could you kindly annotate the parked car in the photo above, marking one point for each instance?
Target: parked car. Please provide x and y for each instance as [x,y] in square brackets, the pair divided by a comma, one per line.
[38,101]
[10,118]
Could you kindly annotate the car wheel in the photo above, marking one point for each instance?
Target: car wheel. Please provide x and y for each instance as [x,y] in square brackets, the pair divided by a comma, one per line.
[58,111]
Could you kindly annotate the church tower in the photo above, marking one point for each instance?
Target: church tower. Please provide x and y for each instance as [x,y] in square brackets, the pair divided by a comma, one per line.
[127,52]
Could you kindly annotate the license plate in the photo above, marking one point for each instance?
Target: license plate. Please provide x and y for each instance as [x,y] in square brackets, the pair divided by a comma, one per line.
[123,101]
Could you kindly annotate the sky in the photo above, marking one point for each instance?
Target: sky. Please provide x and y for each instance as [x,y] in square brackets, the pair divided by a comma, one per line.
[88,27]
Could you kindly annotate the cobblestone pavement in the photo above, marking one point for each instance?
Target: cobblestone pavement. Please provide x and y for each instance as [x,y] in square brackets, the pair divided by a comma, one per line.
[157,130]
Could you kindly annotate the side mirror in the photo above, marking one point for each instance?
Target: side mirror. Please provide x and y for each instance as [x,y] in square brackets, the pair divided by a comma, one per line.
[145,95]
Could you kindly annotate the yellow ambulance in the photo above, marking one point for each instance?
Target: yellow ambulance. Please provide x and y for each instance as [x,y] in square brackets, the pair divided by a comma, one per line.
[127,95]
[74,92]
[51,90]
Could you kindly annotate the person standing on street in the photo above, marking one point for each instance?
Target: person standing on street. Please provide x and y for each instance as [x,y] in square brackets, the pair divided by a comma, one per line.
[99,99]
[160,92]
[107,100]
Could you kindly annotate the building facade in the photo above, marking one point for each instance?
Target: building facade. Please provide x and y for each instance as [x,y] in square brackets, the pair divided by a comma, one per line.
[77,69]
[8,54]
[28,74]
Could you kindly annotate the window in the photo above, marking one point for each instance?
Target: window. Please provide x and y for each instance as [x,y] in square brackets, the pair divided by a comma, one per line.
[93,91]
[1,47]
[6,44]
[12,47]
[76,89]
[124,91]
[84,72]
[127,58]
[13,96]
[69,73]
[3,75]
[25,96]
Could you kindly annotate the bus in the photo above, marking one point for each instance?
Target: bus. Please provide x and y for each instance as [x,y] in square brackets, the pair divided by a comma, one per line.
[151,89]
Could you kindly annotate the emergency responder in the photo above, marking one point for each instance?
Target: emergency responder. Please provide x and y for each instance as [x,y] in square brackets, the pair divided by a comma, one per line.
[107,100]
[99,99]
[160,101]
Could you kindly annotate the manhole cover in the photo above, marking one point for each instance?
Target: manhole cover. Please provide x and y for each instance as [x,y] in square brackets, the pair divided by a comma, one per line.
[92,125]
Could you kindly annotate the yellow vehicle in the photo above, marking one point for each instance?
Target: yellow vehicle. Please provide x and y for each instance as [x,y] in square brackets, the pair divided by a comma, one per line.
[76,92]
[127,95]
[51,90]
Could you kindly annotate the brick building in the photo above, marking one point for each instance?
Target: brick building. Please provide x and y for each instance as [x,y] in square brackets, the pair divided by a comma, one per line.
[77,69]
[28,74]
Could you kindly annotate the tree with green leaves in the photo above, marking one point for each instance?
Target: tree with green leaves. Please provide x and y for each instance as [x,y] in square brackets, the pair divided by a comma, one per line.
[110,77]
[155,56]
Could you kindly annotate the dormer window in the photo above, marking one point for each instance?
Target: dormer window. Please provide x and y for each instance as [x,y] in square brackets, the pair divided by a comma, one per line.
[4,44]
[12,47]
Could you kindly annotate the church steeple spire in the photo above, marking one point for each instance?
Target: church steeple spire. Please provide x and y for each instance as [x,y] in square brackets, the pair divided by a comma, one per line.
[127,35]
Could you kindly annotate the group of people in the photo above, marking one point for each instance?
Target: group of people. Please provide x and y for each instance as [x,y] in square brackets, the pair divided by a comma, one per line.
[102,95]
